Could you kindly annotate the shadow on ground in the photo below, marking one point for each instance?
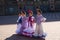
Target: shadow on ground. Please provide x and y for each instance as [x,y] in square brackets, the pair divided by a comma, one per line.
[17,37]
[6,20]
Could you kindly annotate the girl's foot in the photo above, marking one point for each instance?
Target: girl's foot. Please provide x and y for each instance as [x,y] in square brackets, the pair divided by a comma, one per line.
[44,35]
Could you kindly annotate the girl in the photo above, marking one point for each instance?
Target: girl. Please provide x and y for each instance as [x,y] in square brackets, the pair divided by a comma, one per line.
[29,30]
[19,23]
[24,21]
[39,20]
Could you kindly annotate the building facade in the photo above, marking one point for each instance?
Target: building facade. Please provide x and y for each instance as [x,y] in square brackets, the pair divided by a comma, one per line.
[11,7]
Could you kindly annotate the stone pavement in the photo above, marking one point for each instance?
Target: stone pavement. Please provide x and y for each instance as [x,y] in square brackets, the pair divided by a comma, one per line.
[7,32]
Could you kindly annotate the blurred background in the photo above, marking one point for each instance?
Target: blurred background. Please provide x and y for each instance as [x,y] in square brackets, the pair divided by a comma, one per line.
[9,9]
[12,7]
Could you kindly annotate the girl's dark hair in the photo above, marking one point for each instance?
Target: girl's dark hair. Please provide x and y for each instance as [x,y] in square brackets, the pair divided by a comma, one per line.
[23,12]
[38,10]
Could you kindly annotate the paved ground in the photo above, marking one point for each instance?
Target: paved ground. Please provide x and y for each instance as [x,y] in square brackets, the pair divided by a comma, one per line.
[8,27]
[7,32]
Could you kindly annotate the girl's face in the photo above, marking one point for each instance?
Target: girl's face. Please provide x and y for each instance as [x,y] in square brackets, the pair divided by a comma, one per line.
[19,14]
[38,13]
[30,14]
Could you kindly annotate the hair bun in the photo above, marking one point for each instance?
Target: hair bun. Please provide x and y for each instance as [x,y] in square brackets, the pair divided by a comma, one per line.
[29,11]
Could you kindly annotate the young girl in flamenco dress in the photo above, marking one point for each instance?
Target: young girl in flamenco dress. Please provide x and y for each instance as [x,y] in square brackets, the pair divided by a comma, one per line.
[30,29]
[19,23]
[39,29]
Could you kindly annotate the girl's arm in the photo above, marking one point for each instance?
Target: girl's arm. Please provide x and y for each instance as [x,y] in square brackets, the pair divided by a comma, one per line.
[43,19]
[18,19]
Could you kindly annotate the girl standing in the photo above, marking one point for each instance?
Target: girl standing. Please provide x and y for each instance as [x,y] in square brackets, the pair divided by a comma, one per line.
[29,30]
[39,19]
[19,23]
[24,21]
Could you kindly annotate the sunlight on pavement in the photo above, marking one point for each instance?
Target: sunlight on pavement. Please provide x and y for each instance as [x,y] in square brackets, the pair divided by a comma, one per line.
[51,28]
[7,30]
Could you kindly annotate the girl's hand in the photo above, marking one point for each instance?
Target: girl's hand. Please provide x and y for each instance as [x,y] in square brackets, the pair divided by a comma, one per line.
[43,19]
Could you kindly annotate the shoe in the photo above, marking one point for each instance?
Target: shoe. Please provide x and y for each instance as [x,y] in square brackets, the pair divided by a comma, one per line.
[43,36]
